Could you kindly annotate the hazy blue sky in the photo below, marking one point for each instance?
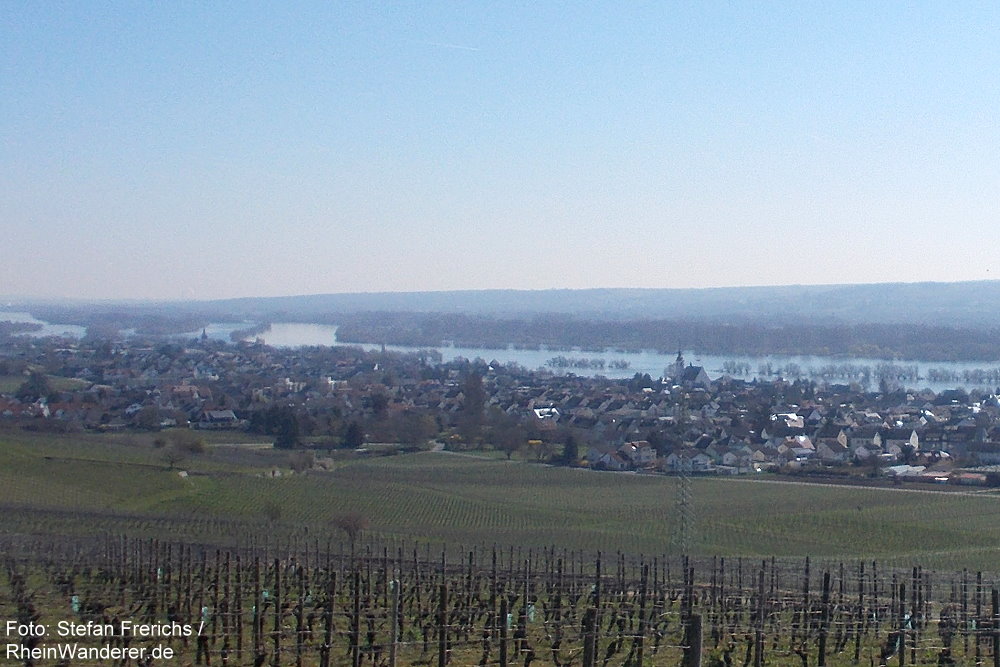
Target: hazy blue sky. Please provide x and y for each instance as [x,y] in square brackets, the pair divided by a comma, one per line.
[211,149]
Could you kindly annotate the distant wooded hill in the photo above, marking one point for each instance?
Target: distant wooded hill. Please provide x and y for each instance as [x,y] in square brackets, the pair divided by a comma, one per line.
[965,304]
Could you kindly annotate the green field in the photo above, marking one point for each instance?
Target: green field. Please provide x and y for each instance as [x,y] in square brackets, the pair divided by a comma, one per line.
[10,383]
[84,484]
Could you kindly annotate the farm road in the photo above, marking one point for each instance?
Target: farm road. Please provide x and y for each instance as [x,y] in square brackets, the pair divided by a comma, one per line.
[977,494]
[438,448]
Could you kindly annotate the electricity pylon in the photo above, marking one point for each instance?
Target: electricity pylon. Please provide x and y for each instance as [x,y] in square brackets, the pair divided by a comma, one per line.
[683,528]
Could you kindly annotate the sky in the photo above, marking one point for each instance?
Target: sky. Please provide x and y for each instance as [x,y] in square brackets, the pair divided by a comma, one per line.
[195,150]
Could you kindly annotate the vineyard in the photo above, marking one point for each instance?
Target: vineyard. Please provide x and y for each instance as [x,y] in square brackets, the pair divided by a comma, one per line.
[260,570]
[86,485]
[304,602]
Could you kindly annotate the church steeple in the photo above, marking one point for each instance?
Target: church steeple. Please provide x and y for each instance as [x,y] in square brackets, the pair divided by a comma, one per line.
[677,369]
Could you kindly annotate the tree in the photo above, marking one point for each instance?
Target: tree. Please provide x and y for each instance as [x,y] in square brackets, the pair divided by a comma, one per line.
[474,394]
[469,428]
[875,463]
[352,524]
[470,419]
[411,428]
[640,381]
[378,403]
[301,461]
[279,421]
[35,387]
[571,451]
[187,442]
[658,442]
[172,456]
[544,450]
[354,436]
[272,512]
[287,434]
[505,433]
[509,438]
[148,418]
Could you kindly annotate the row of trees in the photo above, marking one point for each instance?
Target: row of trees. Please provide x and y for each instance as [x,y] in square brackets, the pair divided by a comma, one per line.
[585,362]
[282,421]
[845,371]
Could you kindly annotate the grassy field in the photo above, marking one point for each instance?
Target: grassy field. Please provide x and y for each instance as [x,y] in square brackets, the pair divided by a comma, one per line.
[93,483]
[10,383]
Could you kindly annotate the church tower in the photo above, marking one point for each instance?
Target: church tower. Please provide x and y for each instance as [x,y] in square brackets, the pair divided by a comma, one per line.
[675,371]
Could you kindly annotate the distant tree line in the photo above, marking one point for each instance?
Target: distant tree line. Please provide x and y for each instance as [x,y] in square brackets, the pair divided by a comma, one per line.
[743,338]
[583,362]
[980,376]
[8,328]
[101,322]
[862,373]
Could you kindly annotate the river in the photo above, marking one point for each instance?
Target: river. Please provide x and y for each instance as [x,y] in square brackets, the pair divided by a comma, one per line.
[67,330]
[287,334]
[611,363]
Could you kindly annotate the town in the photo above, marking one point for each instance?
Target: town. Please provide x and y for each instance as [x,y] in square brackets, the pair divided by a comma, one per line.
[345,397]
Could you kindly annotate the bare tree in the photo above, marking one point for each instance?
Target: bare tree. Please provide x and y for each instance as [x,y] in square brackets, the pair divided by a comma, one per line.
[272,512]
[352,523]
[172,456]
[186,441]
[302,461]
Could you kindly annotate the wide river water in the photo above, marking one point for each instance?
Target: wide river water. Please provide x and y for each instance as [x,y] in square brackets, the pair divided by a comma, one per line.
[614,363]
[622,364]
